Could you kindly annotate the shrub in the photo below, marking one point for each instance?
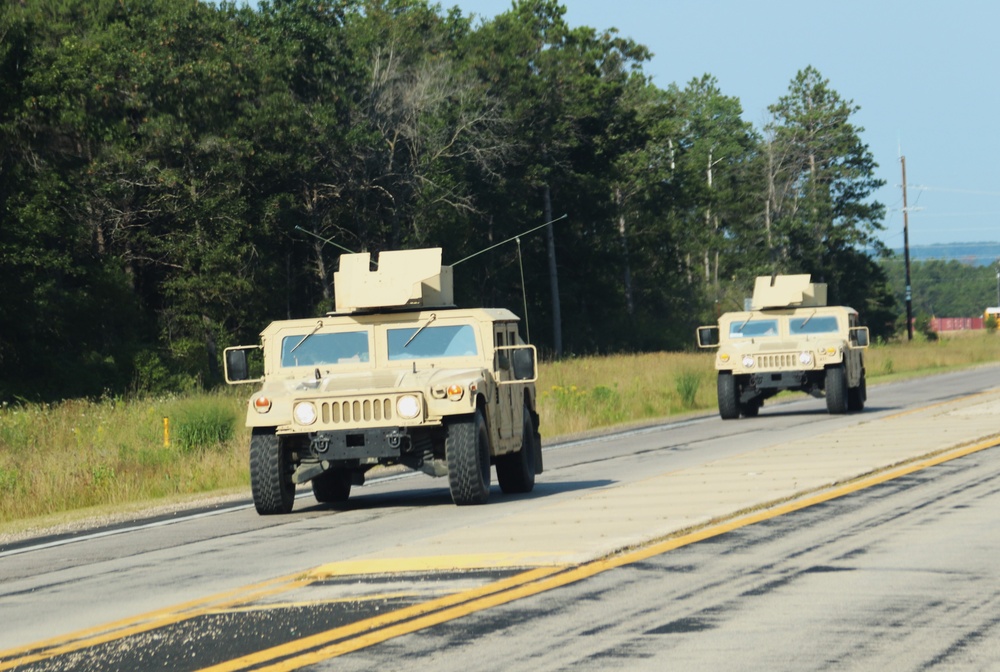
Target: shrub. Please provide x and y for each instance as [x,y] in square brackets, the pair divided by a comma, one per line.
[687,384]
[202,423]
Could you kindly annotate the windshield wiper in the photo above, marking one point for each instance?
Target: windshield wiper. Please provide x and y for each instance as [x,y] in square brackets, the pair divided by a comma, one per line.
[422,327]
[806,321]
[319,325]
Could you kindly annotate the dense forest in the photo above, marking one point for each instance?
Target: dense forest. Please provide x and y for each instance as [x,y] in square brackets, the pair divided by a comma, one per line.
[174,174]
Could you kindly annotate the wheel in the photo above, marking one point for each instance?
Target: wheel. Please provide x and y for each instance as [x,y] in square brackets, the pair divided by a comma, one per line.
[729,401]
[270,477]
[836,389]
[333,485]
[467,449]
[856,396]
[516,471]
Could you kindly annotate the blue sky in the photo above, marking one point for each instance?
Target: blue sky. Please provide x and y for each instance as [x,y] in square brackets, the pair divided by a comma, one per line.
[924,73]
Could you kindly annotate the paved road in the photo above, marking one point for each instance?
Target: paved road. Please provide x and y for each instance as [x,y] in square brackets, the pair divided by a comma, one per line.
[899,576]
[206,590]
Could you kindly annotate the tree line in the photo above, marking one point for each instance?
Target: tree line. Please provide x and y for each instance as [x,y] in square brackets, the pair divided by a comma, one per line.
[174,174]
[944,288]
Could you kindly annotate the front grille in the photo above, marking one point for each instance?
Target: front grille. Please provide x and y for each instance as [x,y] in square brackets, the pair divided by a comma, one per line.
[356,412]
[786,361]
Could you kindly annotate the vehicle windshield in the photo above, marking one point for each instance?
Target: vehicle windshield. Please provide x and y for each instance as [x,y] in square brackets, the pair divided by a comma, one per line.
[826,324]
[753,329]
[432,341]
[340,348]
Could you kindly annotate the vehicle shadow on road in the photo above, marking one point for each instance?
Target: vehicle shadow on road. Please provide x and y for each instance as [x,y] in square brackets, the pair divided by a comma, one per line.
[438,496]
[777,411]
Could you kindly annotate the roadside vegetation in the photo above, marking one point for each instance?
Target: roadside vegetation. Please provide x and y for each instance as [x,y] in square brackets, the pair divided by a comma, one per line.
[171,170]
[73,459]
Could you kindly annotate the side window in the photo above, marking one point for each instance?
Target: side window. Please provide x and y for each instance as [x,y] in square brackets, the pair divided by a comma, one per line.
[501,360]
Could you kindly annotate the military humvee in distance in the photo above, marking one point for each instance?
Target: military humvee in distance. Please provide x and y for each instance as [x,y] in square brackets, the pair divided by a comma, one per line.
[789,339]
[396,375]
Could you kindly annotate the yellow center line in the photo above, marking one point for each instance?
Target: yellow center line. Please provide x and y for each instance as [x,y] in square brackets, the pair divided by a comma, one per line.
[442,609]
[134,625]
[377,630]
[360,627]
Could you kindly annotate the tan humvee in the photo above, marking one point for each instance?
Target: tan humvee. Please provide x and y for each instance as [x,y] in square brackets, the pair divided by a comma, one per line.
[397,375]
[789,339]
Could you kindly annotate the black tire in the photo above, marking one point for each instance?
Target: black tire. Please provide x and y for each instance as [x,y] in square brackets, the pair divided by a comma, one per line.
[856,396]
[270,477]
[729,399]
[836,389]
[467,449]
[516,471]
[332,486]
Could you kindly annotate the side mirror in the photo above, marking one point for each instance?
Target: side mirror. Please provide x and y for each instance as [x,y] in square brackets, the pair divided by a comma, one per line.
[236,365]
[524,364]
[859,336]
[524,359]
[708,337]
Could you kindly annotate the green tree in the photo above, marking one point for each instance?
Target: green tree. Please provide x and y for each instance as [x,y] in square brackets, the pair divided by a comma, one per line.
[561,89]
[820,177]
[944,288]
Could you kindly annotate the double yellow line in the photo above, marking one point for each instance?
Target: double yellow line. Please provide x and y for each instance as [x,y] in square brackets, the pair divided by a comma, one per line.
[361,634]
[109,632]
[339,641]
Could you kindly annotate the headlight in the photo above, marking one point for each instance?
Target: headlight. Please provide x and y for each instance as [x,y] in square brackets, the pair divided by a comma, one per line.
[806,358]
[408,406]
[305,413]
[748,361]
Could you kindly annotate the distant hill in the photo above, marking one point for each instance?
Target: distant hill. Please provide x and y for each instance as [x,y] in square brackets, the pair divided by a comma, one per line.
[974,254]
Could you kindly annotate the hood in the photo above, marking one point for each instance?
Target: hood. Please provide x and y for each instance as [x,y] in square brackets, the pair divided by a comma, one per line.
[380,381]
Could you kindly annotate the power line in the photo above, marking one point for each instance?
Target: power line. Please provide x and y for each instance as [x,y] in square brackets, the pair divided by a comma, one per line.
[922,187]
[959,214]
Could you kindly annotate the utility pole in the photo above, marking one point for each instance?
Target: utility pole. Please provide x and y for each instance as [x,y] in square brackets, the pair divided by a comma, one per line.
[906,257]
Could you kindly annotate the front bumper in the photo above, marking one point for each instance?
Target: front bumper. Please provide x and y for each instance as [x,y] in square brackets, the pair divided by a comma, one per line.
[779,380]
[359,444]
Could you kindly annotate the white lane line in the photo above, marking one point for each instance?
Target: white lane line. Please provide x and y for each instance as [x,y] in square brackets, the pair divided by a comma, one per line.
[122,530]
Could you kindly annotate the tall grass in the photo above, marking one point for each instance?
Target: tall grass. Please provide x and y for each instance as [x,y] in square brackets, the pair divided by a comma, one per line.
[112,453]
[79,454]
[577,395]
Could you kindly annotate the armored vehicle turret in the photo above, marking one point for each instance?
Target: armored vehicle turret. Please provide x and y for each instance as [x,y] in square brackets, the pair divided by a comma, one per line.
[788,339]
[396,375]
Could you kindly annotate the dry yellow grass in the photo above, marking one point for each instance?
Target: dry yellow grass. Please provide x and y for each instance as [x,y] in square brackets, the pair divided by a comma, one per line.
[581,394]
[109,454]
[79,454]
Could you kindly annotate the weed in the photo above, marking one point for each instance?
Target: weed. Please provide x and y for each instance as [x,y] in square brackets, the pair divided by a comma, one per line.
[200,424]
[687,386]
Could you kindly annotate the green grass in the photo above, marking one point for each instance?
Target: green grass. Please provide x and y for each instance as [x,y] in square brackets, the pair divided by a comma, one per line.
[77,458]
[76,455]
